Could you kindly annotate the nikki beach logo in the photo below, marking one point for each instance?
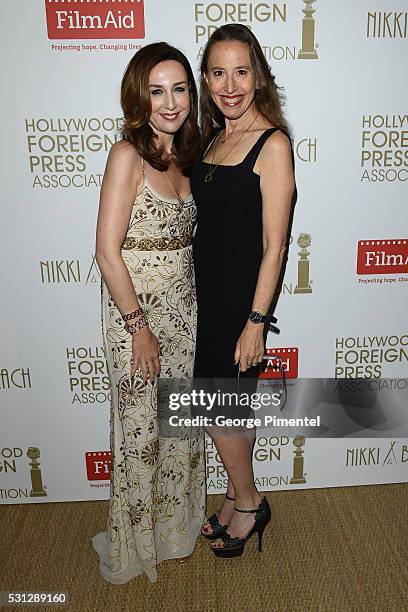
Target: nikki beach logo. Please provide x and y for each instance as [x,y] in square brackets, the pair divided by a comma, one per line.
[387,24]
[70,19]
[69,271]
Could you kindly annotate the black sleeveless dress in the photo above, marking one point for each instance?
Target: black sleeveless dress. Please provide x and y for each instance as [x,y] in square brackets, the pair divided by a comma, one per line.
[227,252]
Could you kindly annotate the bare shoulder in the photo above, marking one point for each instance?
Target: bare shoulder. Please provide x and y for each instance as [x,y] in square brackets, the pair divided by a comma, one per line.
[123,152]
[275,156]
[277,144]
[124,165]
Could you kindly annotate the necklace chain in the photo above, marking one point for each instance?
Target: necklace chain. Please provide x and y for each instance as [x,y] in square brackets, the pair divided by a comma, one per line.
[178,196]
[208,177]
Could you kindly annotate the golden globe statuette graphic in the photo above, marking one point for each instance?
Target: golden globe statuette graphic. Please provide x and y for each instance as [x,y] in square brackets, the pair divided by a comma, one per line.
[308,50]
[304,241]
[37,490]
[298,476]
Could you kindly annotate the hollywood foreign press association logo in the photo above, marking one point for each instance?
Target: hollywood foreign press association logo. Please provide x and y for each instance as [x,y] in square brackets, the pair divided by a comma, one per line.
[71,19]
[267,451]
[9,464]
[308,50]
[304,283]
[211,15]
[383,147]
[88,377]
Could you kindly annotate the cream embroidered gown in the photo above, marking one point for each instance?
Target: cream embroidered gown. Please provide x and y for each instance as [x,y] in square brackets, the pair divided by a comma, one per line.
[157,497]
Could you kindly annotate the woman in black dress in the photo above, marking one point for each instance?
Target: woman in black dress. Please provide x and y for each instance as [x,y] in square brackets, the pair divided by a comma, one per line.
[243,188]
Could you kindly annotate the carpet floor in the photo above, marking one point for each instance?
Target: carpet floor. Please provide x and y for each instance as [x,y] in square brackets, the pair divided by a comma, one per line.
[339,549]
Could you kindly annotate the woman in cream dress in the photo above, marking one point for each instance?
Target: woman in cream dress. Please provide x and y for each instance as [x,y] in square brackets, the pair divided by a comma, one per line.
[144,250]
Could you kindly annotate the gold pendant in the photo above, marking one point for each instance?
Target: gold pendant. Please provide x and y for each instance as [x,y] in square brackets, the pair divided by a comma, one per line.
[208,177]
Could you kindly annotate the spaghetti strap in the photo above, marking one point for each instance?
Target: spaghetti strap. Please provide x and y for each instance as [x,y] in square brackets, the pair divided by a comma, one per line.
[211,142]
[141,187]
[145,180]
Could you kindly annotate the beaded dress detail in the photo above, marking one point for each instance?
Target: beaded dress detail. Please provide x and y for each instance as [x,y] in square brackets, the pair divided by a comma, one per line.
[157,498]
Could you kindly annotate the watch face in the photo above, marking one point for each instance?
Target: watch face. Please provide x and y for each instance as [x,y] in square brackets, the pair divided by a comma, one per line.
[255,317]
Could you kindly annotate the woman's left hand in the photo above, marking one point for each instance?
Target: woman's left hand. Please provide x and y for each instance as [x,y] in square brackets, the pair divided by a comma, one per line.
[250,346]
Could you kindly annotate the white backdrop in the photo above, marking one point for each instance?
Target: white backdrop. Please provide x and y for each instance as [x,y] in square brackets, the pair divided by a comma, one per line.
[60,109]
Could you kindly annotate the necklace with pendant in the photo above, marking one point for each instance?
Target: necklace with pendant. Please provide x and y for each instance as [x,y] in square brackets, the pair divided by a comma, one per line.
[209,176]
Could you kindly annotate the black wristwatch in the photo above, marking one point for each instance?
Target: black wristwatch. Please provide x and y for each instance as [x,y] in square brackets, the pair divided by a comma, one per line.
[257,317]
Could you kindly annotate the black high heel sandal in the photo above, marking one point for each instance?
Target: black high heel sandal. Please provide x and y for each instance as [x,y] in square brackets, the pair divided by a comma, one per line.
[234,547]
[217,528]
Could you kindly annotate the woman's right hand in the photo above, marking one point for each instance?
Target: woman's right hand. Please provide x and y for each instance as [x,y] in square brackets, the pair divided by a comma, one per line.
[146,354]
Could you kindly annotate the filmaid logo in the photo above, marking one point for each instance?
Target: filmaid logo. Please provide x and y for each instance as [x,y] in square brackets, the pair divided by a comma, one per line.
[377,257]
[69,19]
[290,361]
[211,15]
[98,467]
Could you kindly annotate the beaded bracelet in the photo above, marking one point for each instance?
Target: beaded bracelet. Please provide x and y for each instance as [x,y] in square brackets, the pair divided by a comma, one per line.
[132,315]
[132,328]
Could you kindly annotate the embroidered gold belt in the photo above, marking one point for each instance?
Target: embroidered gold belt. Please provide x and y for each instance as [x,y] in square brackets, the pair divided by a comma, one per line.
[164,243]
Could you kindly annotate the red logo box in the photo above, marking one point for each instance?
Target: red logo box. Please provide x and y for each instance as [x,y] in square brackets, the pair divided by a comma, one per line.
[98,465]
[70,19]
[382,256]
[289,358]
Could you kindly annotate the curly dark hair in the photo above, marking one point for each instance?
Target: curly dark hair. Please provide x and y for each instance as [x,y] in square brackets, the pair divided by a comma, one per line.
[136,106]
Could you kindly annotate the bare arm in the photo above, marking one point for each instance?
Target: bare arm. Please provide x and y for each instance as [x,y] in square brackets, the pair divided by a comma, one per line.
[123,175]
[277,186]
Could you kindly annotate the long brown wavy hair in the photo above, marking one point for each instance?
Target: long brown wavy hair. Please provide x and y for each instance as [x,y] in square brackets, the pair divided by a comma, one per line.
[268,99]
[136,106]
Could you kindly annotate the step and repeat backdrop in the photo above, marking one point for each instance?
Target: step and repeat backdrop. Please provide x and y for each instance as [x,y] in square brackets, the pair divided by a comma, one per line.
[342,305]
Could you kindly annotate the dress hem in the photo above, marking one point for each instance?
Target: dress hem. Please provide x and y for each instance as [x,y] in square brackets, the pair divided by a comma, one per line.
[99,543]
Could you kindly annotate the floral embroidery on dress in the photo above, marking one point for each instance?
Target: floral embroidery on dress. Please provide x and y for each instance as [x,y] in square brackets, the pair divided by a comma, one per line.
[157,499]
